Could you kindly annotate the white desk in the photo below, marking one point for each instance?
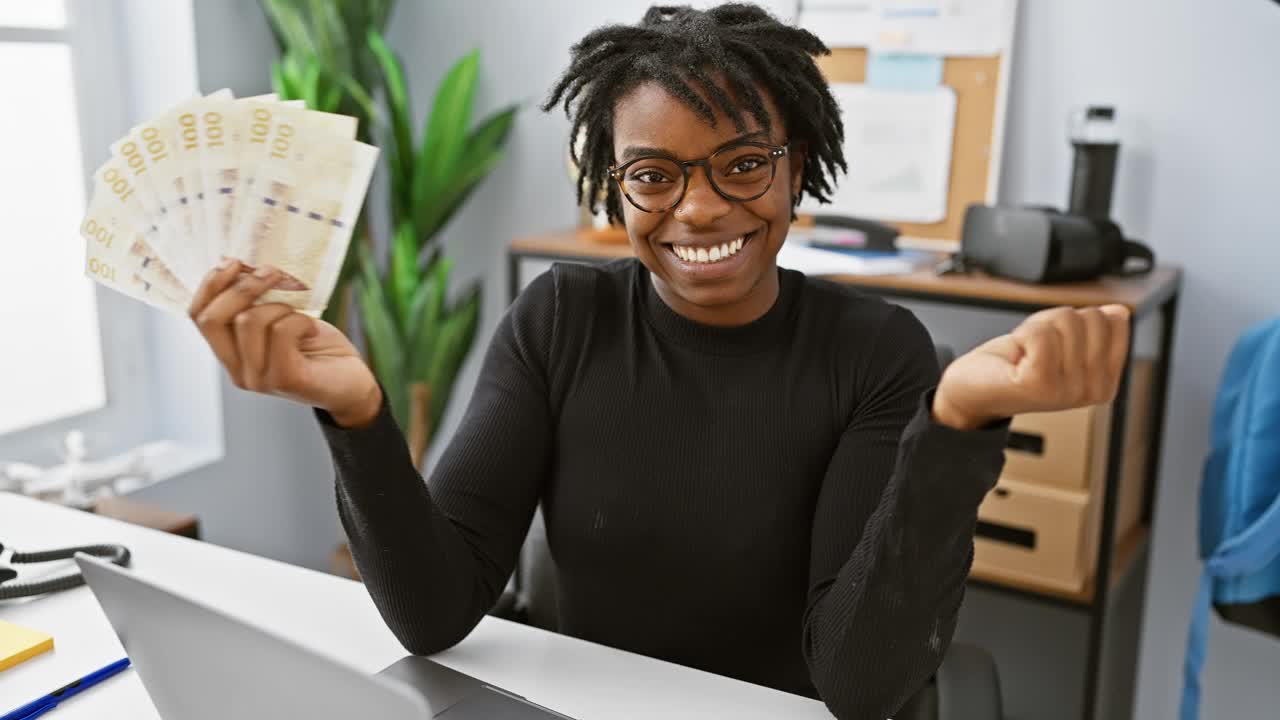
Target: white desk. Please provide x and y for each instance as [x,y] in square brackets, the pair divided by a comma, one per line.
[335,616]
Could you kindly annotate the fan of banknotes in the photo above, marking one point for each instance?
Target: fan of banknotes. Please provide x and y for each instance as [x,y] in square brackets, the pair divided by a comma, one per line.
[265,182]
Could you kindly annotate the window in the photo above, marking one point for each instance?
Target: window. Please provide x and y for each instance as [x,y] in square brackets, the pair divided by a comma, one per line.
[74,355]
[53,368]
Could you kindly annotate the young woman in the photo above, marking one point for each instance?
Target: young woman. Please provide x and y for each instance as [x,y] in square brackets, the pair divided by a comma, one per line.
[742,469]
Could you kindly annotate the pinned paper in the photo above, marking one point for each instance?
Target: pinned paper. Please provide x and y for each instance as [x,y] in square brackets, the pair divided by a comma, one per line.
[911,8]
[841,23]
[898,145]
[904,71]
[18,644]
[956,28]
[951,28]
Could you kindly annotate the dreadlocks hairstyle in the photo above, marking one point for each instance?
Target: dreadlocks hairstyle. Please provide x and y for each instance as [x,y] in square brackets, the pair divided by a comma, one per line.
[678,47]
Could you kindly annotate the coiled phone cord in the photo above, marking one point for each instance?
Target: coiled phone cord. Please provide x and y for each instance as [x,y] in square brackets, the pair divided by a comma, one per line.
[117,554]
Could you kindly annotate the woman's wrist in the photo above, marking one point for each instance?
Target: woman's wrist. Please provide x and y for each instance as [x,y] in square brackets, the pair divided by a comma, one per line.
[362,412]
[946,413]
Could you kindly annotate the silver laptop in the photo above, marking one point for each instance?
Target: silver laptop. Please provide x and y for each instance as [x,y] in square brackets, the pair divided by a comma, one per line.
[199,663]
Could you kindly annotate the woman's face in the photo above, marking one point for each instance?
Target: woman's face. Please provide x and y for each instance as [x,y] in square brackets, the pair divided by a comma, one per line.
[732,290]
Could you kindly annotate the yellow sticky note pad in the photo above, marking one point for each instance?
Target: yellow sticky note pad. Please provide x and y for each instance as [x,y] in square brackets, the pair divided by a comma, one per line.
[18,643]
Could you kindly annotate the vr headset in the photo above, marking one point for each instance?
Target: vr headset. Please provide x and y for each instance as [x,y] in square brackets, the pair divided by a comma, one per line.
[1043,245]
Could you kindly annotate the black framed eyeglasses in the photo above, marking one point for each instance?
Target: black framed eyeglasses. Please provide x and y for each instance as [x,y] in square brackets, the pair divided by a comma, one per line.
[739,172]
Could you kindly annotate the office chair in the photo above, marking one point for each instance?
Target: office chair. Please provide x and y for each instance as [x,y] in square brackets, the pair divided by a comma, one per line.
[966,686]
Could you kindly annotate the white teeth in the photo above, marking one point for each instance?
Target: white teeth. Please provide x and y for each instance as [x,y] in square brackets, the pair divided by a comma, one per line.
[716,253]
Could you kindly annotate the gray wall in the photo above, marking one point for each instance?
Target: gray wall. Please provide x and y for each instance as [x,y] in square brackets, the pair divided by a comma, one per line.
[272,494]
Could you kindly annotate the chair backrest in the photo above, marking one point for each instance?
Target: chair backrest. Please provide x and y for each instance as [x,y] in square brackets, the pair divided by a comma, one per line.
[536,596]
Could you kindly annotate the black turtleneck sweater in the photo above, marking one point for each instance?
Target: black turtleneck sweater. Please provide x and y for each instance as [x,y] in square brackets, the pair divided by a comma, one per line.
[771,502]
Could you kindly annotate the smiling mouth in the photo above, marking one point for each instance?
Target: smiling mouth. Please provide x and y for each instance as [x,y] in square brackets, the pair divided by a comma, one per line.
[711,254]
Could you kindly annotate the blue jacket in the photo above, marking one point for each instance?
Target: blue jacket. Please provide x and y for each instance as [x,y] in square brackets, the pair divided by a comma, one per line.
[1240,494]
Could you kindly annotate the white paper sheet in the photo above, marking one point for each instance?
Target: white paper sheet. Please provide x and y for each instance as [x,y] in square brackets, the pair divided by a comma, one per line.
[842,23]
[955,28]
[898,146]
[815,262]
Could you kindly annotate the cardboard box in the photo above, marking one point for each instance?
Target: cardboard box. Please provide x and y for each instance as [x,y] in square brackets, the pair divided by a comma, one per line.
[1049,536]
[1065,449]
[1038,534]
[1068,449]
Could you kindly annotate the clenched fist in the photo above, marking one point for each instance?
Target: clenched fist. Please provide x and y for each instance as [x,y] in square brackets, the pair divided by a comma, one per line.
[275,350]
[1055,360]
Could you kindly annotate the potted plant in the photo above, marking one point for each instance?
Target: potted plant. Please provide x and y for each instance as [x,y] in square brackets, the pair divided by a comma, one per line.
[416,332]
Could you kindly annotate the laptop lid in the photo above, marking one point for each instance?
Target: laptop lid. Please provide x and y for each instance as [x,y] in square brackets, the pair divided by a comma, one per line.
[458,696]
[199,663]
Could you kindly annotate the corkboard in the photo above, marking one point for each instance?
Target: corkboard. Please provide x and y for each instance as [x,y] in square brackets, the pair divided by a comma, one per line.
[974,154]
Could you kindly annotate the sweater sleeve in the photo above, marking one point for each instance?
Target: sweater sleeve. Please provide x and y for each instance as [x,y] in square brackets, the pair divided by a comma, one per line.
[893,533]
[436,556]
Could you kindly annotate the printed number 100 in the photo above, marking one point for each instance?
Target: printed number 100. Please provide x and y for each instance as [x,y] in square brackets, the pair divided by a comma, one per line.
[102,269]
[99,233]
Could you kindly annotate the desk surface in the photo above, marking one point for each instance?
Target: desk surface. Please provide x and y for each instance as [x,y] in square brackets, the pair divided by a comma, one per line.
[336,616]
[1140,293]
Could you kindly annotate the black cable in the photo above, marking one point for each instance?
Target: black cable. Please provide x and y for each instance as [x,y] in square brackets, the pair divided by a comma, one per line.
[1137,250]
[117,554]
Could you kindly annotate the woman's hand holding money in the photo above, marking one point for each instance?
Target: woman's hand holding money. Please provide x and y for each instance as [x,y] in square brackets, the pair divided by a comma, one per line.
[275,350]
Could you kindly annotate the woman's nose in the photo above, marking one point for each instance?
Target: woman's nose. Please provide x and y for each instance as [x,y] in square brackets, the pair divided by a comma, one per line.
[701,204]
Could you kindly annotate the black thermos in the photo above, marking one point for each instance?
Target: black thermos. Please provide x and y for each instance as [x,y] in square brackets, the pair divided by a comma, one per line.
[1093,171]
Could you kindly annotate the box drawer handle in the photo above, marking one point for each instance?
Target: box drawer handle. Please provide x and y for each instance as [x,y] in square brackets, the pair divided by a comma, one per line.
[1006,534]
[1026,442]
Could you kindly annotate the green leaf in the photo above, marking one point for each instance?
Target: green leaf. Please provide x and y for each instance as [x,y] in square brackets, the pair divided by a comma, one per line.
[331,35]
[413,324]
[490,135]
[447,132]
[332,98]
[426,324]
[401,158]
[311,83]
[386,348]
[379,11]
[280,83]
[445,138]
[361,98]
[293,66]
[425,333]
[360,18]
[287,76]
[478,160]
[444,208]
[457,336]
[287,20]
[404,274]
